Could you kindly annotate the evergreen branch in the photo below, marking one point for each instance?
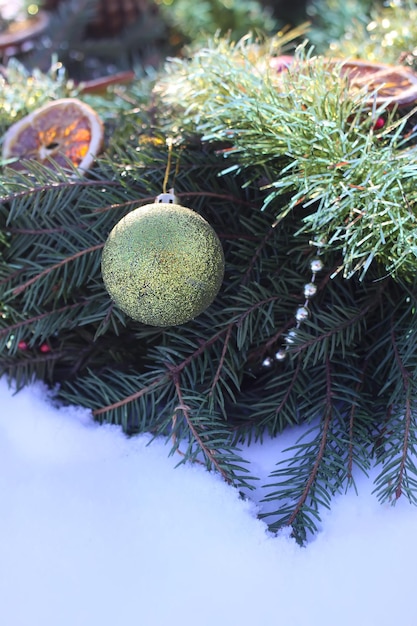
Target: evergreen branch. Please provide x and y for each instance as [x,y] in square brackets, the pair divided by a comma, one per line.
[405,450]
[217,196]
[173,370]
[174,436]
[40,231]
[269,233]
[222,358]
[354,38]
[209,453]
[207,436]
[290,387]
[178,368]
[131,398]
[11,276]
[318,468]
[31,188]
[121,205]
[259,353]
[301,344]
[24,90]
[33,366]
[327,417]
[352,420]
[407,416]
[396,444]
[32,321]
[18,290]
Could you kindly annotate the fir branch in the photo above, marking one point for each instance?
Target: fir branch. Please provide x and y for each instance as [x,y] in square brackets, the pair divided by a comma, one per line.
[398,463]
[31,322]
[352,426]
[52,268]
[32,365]
[327,417]
[269,233]
[157,382]
[405,451]
[26,186]
[178,368]
[216,376]
[209,453]
[212,439]
[150,399]
[317,468]
[290,388]
[342,326]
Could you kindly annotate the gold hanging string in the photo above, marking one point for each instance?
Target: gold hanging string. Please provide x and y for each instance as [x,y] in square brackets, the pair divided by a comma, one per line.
[170,144]
[177,167]
[168,167]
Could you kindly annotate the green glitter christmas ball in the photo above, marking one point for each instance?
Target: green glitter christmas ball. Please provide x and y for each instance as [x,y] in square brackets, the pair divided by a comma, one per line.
[162,264]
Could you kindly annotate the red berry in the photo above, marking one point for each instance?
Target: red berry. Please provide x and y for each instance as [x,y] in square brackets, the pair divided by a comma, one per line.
[22,345]
[379,123]
[45,348]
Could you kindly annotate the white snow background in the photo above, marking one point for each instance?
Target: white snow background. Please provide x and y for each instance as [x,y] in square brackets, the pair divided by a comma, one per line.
[97,529]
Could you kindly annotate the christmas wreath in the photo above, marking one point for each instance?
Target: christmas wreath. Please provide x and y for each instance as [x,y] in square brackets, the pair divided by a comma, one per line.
[299,169]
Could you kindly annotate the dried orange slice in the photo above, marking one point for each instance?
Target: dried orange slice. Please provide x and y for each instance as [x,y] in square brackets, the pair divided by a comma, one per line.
[63,130]
[386,84]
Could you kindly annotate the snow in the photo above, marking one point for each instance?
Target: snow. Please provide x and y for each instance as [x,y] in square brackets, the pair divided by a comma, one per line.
[97,529]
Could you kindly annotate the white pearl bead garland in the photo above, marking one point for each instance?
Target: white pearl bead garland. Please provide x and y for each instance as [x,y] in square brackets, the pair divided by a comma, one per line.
[301,314]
